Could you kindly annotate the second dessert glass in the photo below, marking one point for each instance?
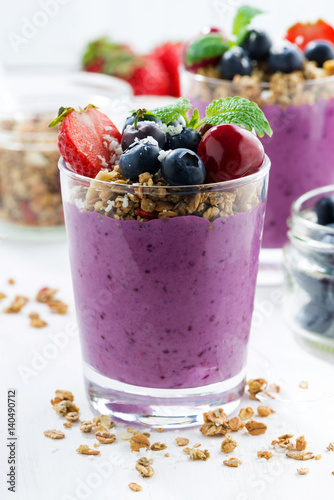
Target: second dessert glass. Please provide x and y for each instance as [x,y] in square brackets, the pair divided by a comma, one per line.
[164,306]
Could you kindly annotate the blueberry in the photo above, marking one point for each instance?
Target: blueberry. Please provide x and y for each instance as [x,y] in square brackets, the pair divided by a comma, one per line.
[141,156]
[315,288]
[319,51]
[182,167]
[286,59]
[145,117]
[314,317]
[179,121]
[235,62]
[324,209]
[188,138]
[144,129]
[257,44]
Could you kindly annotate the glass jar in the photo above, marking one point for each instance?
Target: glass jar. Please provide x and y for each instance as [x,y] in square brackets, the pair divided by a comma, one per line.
[30,198]
[309,273]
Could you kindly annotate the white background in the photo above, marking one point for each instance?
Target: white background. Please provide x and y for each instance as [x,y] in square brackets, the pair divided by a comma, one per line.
[59,37]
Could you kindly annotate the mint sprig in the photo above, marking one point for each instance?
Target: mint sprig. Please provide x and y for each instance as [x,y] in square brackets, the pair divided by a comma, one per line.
[238,111]
[173,112]
[208,47]
[231,110]
[242,19]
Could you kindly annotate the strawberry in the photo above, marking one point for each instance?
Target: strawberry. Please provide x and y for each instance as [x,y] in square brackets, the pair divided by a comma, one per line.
[151,78]
[88,140]
[301,34]
[169,55]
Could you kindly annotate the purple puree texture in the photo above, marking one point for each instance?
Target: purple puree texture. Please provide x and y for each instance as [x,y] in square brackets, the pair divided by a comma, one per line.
[301,151]
[164,304]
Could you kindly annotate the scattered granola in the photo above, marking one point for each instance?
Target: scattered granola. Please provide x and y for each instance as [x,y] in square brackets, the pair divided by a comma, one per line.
[301,443]
[72,416]
[197,445]
[300,455]
[232,462]
[45,295]
[330,447]
[64,407]
[160,429]
[58,307]
[235,424]
[105,437]
[303,471]
[86,426]
[135,487]
[158,446]
[2,296]
[255,428]
[167,455]
[265,454]
[11,281]
[303,384]
[228,444]
[181,441]
[246,413]
[85,450]
[68,425]
[54,434]
[264,411]
[64,395]
[17,304]
[144,467]
[197,454]
[318,457]
[139,441]
[255,386]
[103,421]
[36,321]
[215,423]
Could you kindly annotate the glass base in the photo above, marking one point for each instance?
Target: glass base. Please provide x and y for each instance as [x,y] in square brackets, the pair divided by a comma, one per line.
[168,408]
[270,267]
[11,231]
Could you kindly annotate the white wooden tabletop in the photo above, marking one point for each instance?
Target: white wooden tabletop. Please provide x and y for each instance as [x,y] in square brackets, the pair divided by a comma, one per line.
[36,362]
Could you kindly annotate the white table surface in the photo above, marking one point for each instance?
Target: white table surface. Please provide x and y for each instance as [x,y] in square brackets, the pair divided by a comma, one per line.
[51,469]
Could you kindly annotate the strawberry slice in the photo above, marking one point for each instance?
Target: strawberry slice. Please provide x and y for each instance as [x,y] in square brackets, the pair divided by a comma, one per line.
[87,140]
[301,34]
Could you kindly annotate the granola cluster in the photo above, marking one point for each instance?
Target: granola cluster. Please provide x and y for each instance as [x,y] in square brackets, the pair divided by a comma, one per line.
[152,198]
[29,177]
[268,89]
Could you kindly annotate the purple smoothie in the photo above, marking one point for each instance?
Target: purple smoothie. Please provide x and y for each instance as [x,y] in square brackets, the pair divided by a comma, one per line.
[164,303]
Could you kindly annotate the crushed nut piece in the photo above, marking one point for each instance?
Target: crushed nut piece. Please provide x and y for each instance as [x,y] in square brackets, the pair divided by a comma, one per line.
[139,441]
[217,416]
[54,434]
[67,424]
[265,454]
[232,462]
[181,441]
[255,386]
[330,447]
[303,471]
[45,295]
[105,437]
[255,428]
[96,445]
[85,450]
[246,413]
[235,423]
[158,446]
[317,457]
[144,467]
[166,455]
[72,416]
[2,295]
[58,307]
[36,321]
[301,443]
[132,430]
[103,421]
[215,422]
[64,407]
[135,487]
[64,395]
[160,429]
[86,426]
[303,384]
[16,305]
[197,445]
[197,454]
[228,445]
[11,281]
[264,411]
[300,455]
[147,434]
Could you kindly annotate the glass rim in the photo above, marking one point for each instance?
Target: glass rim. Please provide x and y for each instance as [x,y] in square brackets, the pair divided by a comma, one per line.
[297,205]
[218,186]
[263,85]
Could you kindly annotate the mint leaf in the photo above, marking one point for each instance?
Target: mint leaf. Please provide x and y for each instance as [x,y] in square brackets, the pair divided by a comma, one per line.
[238,111]
[194,119]
[173,112]
[208,47]
[243,17]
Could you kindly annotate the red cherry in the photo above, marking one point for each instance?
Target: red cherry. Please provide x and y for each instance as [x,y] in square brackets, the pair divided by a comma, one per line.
[229,152]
